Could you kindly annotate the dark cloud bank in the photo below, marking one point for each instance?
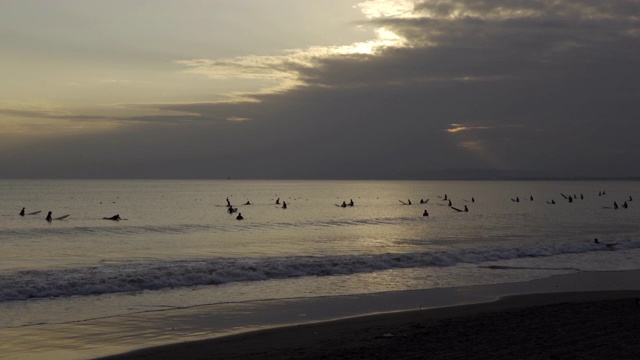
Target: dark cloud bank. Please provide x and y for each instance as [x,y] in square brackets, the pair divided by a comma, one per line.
[536,88]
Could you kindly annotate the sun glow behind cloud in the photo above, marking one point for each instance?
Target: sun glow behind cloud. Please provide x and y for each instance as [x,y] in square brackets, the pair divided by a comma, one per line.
[282,71]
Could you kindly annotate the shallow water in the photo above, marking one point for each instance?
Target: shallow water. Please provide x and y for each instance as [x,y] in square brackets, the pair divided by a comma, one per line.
[179,247]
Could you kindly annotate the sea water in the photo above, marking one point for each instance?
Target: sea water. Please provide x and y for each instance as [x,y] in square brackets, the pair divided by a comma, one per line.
[177,245]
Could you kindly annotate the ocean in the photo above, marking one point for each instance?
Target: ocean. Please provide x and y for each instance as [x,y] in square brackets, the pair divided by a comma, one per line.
[177,246]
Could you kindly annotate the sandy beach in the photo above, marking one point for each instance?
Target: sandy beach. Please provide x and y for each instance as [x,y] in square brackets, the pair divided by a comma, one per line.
[579,325]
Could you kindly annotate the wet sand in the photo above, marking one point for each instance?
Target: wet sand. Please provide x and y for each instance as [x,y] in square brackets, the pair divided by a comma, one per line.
[569,325]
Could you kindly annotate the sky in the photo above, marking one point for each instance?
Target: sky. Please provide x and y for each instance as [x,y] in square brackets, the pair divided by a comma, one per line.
[319,89]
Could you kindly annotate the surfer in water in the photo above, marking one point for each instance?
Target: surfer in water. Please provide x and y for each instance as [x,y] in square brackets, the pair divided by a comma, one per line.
[49,218]
[351,202]
[425,213]
[115,217]
[239,217]
[22,212]
[278,201]
[284,204]
[609,245]
[228,202]
[344,204]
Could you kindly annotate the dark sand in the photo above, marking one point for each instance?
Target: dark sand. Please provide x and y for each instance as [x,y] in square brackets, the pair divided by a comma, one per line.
[585,325]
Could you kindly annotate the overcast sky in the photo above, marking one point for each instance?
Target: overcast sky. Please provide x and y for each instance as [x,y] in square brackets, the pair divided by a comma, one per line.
[319,88]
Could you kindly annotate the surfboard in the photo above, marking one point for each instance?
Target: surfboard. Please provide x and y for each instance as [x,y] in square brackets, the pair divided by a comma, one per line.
[456,209]
[404,203]
[62,217]
[35,212]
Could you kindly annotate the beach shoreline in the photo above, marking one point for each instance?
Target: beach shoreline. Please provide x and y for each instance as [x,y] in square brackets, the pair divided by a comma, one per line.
[274,328]
[586,325]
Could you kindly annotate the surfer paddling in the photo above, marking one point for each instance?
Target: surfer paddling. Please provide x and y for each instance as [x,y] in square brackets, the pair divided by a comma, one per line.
[22,212]
[115,217]
[609,245]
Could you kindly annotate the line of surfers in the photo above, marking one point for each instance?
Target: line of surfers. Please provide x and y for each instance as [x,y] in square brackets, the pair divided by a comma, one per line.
[570,199]
[50,217]
[231,209]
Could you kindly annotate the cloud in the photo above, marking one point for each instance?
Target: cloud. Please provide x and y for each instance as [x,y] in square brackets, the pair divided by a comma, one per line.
[549,87]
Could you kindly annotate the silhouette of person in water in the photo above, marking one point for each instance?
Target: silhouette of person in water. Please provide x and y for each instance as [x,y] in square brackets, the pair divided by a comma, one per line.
[624,205]
[228,202]
[278,201]
[466,209]
[610,246]
[115,217]
[247,203]
[239,217]
[22,212]
[230,211]
[344,204]
[615,205]
[284,204]
[351,202]
[425,213]
[409,201]
[49,218]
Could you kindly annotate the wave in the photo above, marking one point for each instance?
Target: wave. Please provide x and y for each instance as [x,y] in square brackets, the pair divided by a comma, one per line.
[75,231]
[158,275]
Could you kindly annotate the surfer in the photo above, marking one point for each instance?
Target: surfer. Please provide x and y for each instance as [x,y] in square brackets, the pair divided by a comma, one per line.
[624,205]
[609,245]
[228,202]
[466,209]
[278,201]
[239,217]
[247,203]
[344,204]
[351,202]
[409,201]
[22,212]
[115,217]
[231,210]
[615,205]
[425,213]
[49,218]
[284,204]
[449,202]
